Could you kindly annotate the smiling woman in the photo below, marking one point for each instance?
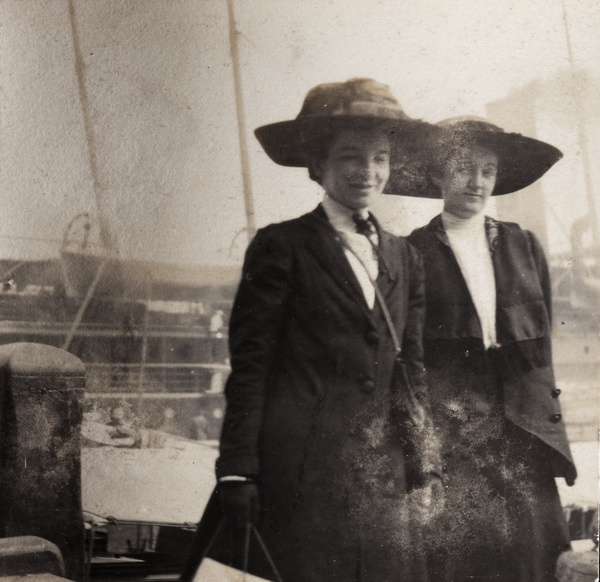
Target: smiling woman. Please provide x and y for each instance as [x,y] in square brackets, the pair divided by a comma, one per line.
[488,354]
[356,169]
[467,180]
[311,449]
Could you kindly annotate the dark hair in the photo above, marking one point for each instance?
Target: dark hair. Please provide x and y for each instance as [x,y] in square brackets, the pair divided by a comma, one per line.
[438,159]
[316,149]
[317,143]
[447,150]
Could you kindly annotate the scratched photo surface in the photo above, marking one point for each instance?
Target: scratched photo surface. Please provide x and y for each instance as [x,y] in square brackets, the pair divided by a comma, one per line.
[131,184]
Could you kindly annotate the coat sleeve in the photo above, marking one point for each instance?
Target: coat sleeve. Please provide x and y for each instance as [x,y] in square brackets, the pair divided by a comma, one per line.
[424,442]
[412,342]
[256,323]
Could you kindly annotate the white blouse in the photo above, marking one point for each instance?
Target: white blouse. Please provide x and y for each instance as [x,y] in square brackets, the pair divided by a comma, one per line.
[469,243]
[364,263]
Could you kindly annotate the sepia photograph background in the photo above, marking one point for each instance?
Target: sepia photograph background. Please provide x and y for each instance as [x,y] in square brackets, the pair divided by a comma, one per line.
[131,183]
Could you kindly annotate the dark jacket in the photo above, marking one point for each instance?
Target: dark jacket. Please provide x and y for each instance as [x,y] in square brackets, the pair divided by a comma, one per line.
[523,323]
[308,402]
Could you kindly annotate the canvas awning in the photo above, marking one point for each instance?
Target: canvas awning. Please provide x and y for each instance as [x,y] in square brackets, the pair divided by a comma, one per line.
[162,485]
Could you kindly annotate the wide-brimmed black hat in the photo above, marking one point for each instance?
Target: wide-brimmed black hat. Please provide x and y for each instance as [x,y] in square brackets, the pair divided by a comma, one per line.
[521,160]
[354,104]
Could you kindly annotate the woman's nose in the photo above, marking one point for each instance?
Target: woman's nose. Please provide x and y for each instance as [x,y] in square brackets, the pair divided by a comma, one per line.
[364,168]
[477,178]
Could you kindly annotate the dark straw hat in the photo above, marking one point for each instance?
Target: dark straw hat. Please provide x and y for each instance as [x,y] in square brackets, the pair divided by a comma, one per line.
[521,160]
[354,104]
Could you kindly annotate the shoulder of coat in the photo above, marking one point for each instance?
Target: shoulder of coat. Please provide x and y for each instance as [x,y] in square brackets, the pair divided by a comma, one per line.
[427,231]
[503,224]
[295,229]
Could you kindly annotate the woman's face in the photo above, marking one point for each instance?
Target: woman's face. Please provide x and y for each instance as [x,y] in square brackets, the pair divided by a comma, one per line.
[357,167]
[468,180]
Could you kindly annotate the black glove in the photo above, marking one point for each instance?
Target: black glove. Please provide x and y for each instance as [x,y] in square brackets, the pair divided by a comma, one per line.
[239,502]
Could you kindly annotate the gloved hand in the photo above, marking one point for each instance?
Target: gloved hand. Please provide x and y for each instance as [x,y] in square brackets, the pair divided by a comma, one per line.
[240,502]
[428,501]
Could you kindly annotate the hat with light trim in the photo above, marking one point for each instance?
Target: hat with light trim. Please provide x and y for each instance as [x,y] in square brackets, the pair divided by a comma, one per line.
[356,104]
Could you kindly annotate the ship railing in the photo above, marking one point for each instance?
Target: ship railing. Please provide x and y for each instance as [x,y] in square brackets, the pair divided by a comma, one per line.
[154,380]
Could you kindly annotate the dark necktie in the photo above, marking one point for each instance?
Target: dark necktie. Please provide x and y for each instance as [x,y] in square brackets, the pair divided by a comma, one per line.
[366,227]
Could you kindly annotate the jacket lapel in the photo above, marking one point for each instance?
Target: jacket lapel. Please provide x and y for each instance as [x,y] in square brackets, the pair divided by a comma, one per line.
[327,249]
[385,266]
[491,231]
[437,227]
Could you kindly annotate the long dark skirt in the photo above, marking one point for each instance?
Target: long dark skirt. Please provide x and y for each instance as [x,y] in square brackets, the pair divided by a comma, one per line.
[347,519]
[503,519]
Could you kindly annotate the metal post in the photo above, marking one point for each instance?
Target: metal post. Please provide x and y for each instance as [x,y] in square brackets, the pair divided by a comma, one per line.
[41,391]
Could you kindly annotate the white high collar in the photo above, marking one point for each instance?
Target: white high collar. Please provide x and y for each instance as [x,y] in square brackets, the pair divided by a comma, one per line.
[340,216]
[456,223]
[469,244]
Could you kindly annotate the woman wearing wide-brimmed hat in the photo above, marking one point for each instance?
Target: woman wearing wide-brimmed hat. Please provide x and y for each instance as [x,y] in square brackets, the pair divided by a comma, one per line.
[312,448]
[489,363]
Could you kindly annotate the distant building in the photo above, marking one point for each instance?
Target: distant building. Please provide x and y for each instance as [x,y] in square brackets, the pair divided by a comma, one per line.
[562,210]
[562,110]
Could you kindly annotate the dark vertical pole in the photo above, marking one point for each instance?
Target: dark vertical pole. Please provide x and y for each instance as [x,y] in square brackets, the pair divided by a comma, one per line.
[142,379]
[239,104]
[41,390]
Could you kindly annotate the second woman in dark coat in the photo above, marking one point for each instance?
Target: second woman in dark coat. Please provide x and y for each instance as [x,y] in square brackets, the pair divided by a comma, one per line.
[488,355]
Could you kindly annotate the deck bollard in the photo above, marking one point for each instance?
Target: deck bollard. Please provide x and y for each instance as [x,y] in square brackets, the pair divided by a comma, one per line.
[41,390]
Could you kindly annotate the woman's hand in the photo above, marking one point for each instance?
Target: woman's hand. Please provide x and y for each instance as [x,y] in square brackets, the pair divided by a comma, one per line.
[240,502]
[428,501]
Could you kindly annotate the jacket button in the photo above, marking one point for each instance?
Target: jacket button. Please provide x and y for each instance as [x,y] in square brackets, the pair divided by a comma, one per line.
[368,387]
[372,337]
[555,393]
[555,418]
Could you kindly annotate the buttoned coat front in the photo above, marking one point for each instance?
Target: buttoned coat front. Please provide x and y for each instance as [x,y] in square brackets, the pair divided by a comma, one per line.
[308,404]
[523,321]
[503,435]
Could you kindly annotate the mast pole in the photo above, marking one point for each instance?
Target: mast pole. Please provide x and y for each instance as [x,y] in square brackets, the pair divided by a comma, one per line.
[583,142]
[241,120]
[105,235]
